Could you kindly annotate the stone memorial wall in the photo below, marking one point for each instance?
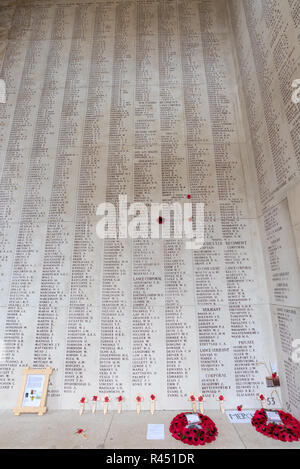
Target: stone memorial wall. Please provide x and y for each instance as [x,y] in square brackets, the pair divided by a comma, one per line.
[144,98]
[267,38]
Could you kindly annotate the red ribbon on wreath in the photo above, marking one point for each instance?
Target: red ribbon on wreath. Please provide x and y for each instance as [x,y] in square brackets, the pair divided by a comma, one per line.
[288,430]
[193,435]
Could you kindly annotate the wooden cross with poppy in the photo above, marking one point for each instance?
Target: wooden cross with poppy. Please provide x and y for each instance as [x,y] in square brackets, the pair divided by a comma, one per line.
[138,399]
[81,432]
[192,398]
[201,400]
[106,400]
[152,403]
[262,399]
[221,402]
[94,403]
[120,399]
[82,402]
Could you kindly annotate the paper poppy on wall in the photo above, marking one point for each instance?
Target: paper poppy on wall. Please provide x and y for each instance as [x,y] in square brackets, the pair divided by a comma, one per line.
[196,434]
[286,430]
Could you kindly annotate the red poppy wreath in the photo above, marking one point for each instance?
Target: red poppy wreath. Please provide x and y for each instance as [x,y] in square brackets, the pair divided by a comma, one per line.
[287,430]
[195,435]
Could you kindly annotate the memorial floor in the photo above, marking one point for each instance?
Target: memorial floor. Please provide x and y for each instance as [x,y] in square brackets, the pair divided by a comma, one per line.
[57,430]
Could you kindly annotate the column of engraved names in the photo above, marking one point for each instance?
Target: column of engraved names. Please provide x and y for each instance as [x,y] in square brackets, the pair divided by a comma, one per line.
[116,277]
[82,346]
[252,102]
[23,139]
[235,231]
[59,138]
[207,261]
[284,166]
[148,332]
[282,24]
[179,296]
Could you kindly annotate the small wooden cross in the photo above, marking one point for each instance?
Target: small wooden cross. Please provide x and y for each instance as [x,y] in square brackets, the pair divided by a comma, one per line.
[262,399]
[192,398]
[81,432]
[94,403]
[201,400]
[82,403]
[138,399]
[221,402]
[120,399]
[152,403]
[106,400]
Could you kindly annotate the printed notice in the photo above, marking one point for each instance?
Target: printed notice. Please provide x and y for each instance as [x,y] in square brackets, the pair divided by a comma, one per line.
[33,391]
[156,431]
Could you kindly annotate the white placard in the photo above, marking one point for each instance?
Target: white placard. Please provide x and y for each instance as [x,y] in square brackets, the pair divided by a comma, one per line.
[192,419]
[245,416]
[156,431]
[33,391]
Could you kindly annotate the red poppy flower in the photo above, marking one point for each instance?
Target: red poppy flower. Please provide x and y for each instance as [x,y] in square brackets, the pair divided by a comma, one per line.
[106,399]
[221,398]
[80,430]
[239,408]
[192,398]
[274,375]
[82,400]
[152,397]
[160,220]
[95,398]
[120,398]
[138,398]
[188,196]
[262,397]
[200,398]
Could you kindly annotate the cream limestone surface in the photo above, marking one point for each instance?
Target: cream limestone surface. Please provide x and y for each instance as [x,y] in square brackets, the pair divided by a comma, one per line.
[266,37]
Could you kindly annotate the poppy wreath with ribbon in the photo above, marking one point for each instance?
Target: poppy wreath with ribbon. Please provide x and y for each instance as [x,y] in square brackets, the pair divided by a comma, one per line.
[206,432]
[288,430]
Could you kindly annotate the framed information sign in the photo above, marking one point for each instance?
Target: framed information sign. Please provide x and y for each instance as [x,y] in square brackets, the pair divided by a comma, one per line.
[33,391]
